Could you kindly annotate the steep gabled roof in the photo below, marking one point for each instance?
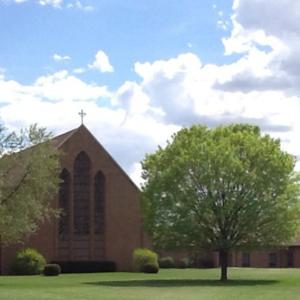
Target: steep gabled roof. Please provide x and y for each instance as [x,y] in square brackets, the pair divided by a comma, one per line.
[59,140]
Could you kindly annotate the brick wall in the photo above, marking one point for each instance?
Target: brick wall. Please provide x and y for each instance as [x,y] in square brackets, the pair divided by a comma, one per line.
[122,228]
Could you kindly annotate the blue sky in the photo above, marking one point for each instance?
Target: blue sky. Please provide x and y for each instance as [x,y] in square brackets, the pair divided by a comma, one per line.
[129,31]
[142,70]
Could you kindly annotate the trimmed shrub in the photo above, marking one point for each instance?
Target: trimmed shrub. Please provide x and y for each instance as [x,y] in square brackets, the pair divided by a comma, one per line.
[86,266]
[142,257]
[183,263]
[28,262]
[166,262]
[52,270]
[150,268]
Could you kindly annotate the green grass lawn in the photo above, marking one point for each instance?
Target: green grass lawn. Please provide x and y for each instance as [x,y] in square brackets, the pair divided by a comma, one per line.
[283,284]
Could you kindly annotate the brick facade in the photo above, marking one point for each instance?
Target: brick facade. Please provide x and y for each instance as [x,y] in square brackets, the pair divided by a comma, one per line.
[284,258]
[121,227]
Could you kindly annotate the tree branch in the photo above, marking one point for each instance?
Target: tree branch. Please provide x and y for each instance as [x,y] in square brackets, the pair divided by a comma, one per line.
[16,189]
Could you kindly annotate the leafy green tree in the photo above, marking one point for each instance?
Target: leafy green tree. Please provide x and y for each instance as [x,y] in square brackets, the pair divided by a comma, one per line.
[222,189]
[29,167]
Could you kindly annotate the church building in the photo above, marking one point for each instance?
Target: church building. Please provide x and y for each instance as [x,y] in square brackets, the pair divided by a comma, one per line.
[101,218]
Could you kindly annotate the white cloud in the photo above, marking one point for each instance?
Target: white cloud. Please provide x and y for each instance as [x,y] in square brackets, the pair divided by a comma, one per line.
[79,70]
[2,73]
[12,1]
[259,14]
[57,98]
[254,28]
[135,173]
[58,57]
[101,63]
[138,116]
[182,91]
[76,4]
[223,24]
[261,87]
[54,88]
[62,86]
[223,21]
[54,3]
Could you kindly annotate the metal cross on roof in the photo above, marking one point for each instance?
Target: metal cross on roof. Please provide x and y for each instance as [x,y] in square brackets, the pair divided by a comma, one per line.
[82,114]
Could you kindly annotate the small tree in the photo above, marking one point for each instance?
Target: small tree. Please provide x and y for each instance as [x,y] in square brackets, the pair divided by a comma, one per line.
[222,189]
[29,167]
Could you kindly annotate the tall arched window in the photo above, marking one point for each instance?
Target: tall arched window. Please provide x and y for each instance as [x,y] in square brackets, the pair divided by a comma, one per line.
[99,202]
[82,194]
[64,200]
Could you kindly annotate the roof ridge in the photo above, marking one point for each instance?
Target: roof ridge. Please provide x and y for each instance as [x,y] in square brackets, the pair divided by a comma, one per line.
[59,140]
[111,158]
[62,138]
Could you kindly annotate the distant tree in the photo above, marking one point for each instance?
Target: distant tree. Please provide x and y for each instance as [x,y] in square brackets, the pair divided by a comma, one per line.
[29,166]
[222,189]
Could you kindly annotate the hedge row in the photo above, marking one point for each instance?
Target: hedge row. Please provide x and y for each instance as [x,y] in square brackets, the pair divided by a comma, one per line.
[30,262]
[86,266]
[52,270]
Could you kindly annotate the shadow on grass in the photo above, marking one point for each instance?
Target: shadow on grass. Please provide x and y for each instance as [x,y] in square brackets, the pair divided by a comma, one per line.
[181,283]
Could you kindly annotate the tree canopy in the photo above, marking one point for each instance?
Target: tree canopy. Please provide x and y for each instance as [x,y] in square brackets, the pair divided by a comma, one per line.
[221,189]
[29,167]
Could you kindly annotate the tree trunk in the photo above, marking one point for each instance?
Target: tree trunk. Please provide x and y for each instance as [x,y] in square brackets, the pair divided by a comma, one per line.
[223,257]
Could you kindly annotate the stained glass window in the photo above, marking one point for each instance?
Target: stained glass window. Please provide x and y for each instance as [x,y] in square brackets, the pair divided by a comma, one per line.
[82,194]
[99,202]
